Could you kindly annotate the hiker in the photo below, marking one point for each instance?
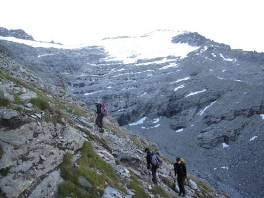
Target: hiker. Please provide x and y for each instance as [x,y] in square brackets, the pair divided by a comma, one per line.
[100,115]
[180,175]
[155,166]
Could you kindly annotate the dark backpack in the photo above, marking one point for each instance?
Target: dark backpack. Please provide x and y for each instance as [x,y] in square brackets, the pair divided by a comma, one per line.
[155,159]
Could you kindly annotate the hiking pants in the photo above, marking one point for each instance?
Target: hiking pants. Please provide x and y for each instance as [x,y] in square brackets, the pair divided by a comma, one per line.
[181,184]
[99,120]
[154,174]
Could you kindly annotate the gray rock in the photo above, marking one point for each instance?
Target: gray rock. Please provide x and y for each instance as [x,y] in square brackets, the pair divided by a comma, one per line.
[2,91]
[50,184]
[192,184]
[112,192]
[176,186]
[83,181]
[23,90]
[19,162]
[4,94]
[42,157]
[29,105]
[43,148]
[120,156]
[8,114]
[28,95]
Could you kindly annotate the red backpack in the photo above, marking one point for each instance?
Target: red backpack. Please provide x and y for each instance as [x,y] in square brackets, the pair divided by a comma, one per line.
[104,109]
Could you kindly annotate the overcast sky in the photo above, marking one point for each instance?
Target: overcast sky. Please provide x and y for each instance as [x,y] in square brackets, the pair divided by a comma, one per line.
[233,22]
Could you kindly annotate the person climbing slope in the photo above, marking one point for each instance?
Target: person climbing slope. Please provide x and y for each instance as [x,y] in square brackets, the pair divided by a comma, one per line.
[101,111]
[155,161]
[180,175]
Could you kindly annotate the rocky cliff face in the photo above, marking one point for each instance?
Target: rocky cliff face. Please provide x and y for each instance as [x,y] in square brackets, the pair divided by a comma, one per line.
[50,147]
[206,106]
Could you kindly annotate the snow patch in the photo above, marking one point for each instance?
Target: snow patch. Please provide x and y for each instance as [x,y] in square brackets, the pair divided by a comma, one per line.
[226,59]
[168,66]
[202,111]
[145,93]
[92,93]
[179,130]
[158,44]
[225,145]
[44,55]
[181,86]
[194,93]
[156,120]
[204,49]
[138,122]
[223,167]
[253,138]
[186,78]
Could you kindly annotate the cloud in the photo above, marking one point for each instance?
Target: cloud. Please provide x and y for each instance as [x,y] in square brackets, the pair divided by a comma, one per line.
[72,22]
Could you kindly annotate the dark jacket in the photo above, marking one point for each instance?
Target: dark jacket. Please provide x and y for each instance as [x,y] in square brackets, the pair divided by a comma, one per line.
[98,108]
[180,169]
[148,159]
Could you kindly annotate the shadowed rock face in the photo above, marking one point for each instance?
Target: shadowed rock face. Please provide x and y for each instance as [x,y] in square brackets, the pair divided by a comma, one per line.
[206,107]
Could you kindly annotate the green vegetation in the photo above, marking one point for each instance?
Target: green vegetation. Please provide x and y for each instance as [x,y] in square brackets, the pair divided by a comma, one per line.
[75,110]
[6,76]
[67,189]
[54,115]
[4,102]
[136,185]
[71,186]
[93,168]
[17,99]
[137,142]
[158,190]
[168,182]
[40,103]
[19,109]
[98,139]
[4,171]
[114,127]
[167,159]
[204,188]
[122,189]
[92,160]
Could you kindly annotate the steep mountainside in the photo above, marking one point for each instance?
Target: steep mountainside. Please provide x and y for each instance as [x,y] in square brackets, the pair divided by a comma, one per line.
[50,147]
[205,105]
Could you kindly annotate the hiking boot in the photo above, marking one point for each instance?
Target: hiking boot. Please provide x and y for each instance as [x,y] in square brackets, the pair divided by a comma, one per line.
[179,194]
[183,195]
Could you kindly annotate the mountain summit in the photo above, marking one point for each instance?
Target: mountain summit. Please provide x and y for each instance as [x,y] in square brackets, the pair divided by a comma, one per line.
[192,96]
